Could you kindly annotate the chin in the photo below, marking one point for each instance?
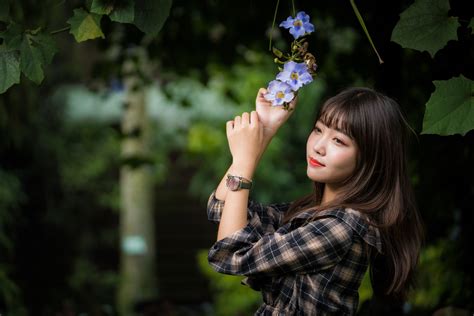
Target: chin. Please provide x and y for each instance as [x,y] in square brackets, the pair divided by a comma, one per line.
[314,177]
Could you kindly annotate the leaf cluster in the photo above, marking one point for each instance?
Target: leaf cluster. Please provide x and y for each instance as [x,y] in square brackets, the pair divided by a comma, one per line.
[427,26]
[30,50]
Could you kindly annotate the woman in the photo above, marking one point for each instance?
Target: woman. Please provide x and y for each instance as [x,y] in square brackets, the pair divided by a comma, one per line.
[309,257]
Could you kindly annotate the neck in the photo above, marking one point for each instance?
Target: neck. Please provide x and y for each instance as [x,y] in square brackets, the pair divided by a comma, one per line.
[329,193]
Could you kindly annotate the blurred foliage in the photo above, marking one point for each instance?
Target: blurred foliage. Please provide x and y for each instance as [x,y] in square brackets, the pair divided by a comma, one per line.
[11,197]
[365,289]
[434,270]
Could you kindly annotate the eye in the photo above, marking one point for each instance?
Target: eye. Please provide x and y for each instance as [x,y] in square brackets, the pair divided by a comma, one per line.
[316,129]
[339,141]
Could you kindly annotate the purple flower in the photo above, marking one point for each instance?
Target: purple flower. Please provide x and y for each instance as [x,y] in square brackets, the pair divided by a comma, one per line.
[279,92]
[295,74]
[298,26]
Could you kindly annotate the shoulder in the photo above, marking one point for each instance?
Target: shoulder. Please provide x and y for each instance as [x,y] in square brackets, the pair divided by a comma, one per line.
[361,224]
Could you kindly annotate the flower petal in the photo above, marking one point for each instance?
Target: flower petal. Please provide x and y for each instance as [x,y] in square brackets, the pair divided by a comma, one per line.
[288,23]
[309,28]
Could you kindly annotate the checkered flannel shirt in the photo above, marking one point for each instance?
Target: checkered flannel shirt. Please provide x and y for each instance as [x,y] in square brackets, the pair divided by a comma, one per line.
[303,267]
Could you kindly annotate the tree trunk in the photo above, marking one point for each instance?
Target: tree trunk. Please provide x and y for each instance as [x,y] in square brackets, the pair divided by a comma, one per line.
[137,235]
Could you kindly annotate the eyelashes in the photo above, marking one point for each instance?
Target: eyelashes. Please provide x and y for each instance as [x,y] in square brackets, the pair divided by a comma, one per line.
[338,140]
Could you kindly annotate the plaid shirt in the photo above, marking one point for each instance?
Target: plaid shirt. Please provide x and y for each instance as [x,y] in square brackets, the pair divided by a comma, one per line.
[303,267]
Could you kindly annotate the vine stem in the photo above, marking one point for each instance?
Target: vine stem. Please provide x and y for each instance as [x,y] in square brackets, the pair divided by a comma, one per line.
[361,21]
[60,30]
[273,25]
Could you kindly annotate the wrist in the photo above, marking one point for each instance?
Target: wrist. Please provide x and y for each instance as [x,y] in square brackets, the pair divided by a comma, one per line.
[241,169]
[268,132]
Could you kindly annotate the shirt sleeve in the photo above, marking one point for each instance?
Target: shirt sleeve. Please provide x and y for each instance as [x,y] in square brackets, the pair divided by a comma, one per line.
[315,246]
[265,218]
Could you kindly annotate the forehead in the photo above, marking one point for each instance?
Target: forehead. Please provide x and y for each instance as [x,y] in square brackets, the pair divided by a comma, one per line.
[336,118]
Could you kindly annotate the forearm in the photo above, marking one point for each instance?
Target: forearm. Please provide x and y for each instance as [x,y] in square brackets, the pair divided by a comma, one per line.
[247,143]
[234,214]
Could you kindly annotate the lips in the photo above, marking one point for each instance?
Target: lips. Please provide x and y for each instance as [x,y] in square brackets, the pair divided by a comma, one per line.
[315,163]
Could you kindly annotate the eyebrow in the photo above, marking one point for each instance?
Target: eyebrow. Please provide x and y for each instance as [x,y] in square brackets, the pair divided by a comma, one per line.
[337,129]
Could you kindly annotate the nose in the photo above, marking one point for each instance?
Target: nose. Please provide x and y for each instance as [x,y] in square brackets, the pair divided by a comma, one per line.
[319,146]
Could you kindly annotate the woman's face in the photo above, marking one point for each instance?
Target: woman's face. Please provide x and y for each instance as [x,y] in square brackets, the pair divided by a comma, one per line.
[331,155]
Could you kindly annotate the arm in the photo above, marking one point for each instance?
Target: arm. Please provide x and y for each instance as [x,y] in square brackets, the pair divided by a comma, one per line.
[246,142]
[248,137]
[315,246]
[271,119]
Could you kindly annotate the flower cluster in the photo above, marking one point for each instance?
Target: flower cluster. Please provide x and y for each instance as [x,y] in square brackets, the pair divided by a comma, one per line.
[299,67]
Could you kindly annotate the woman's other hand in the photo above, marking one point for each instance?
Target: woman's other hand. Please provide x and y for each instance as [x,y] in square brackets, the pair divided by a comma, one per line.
[246,143]
[272,117]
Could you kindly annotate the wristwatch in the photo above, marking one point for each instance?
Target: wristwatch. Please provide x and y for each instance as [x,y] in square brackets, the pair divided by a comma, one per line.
[235,183]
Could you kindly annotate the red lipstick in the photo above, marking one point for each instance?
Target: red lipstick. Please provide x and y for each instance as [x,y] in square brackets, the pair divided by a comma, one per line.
[313,162]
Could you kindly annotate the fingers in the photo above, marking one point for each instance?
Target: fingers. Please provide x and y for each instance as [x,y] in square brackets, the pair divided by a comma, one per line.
[229,127]
[253,118]
[237,121]
[246,119]
[261,92]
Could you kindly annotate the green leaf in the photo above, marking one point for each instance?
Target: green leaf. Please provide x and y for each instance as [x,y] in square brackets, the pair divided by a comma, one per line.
[450,108]
[36,51]
[85,25]
[46,45]
[12,36]
[30,61]
[123,12]
[151,15]
[102,6]
[425,25]
[9,70]
[4,10]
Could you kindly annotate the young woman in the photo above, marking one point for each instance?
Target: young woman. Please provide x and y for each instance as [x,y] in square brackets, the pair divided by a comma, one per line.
[309,257]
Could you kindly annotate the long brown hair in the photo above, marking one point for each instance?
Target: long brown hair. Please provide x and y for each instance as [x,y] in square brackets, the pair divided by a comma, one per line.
[379,187]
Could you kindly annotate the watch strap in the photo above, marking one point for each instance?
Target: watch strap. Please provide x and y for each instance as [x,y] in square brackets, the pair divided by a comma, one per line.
[245,184]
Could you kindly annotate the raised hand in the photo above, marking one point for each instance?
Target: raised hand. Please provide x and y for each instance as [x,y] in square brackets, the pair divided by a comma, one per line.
[272,117]
[246,143]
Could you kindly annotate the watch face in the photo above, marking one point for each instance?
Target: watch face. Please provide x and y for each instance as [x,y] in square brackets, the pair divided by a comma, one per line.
[233,183]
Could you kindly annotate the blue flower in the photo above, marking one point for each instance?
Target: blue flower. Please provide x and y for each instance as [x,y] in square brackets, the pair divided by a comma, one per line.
[279,92]
[298,26]
[295,74]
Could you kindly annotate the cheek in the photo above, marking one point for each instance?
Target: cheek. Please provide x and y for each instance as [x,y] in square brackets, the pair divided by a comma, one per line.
[344,159]
[308,145]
